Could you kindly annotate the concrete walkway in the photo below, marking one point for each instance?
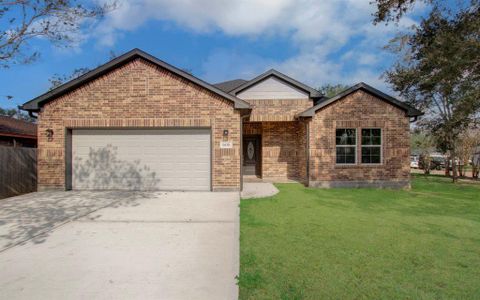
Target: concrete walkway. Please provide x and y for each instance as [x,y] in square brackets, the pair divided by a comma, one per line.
[119,245]
[258,190]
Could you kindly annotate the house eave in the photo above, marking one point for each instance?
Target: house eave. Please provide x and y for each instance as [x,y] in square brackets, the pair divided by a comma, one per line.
[18,135]
[409,111]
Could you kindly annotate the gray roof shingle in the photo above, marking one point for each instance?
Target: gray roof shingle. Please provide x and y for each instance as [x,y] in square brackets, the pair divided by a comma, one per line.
[12,126]
[229,85]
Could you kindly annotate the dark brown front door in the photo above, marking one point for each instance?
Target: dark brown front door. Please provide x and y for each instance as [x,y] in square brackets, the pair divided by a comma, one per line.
[251,155]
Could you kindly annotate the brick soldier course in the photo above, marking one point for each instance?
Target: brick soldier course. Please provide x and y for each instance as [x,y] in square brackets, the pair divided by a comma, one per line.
[297,135]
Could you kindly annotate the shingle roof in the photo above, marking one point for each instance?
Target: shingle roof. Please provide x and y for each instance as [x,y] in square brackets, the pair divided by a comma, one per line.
[13,127]
[230,85]
[36,103]
[409,110]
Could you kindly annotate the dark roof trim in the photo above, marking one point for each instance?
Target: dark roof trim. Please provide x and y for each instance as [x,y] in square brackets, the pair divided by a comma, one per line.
[18,135]
[36,103]
[311,91]
[409,110]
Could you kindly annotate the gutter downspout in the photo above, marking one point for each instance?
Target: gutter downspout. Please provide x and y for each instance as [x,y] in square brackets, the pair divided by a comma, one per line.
[30,113]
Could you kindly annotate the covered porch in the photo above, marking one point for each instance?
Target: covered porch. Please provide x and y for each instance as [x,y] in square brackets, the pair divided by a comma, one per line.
[274,151]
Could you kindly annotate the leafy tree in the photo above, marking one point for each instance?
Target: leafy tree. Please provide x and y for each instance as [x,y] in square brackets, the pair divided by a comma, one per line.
[423,143]
[467,145]
[394,10]
[59,21]
[16,113]
[439,72]
[330,90]
[10,112]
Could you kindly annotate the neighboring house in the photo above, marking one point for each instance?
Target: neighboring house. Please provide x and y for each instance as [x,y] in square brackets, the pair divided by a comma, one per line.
[140,123]
[17,133]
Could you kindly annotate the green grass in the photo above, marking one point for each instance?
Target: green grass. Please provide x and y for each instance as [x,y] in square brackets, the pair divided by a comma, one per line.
[362,243]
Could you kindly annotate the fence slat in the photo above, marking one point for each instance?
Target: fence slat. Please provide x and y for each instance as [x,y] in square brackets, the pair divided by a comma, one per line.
[18,171]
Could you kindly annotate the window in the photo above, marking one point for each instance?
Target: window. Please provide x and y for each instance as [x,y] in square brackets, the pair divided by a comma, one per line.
[371,146]
[346,143]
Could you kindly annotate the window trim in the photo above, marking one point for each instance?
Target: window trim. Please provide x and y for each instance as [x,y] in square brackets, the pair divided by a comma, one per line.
[381,146]
[345,146]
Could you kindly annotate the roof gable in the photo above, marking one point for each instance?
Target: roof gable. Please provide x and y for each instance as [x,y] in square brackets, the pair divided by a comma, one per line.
[36,103]
[409,110]
[313,93]
[272,88]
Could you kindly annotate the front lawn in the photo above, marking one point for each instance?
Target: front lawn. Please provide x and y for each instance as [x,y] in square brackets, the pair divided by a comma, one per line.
[362,243]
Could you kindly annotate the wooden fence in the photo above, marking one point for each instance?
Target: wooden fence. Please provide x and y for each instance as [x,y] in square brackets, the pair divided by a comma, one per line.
[18,171]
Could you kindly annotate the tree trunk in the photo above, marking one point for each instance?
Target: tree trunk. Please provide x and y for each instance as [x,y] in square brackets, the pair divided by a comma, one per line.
[454,167]
[452,140]
[447,166]
[454,172]
[425,159]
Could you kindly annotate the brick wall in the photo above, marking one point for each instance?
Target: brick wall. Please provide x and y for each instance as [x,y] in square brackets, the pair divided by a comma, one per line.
[139,94]
[360,110]
[302,149]
[277,109]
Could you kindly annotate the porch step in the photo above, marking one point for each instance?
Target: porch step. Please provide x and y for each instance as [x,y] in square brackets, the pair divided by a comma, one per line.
[251,178]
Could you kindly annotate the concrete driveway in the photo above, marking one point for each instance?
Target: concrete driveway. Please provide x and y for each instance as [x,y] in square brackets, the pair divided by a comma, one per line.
[119,245]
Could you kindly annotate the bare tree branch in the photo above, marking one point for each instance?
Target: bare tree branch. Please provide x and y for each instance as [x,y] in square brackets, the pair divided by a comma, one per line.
[59,21]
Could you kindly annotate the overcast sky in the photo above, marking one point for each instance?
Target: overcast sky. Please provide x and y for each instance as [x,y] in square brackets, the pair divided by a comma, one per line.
[316,42]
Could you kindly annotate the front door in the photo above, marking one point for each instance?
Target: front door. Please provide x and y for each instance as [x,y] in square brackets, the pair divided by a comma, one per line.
[251,155]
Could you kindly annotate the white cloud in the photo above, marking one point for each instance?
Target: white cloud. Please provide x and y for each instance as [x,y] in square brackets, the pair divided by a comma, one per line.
[335,39]
[367,59]
[222,64]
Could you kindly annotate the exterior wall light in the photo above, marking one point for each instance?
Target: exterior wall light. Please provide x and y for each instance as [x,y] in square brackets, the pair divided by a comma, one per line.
[225,132]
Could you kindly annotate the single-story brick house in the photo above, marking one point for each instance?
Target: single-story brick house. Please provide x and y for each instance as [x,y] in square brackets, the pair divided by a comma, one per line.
[139,123]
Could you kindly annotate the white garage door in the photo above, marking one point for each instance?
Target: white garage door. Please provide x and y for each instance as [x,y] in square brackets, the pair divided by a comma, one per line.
[156,159]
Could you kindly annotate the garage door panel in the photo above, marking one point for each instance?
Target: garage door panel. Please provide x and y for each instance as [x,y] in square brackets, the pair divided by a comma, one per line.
[180,175]
[160,159]
[166,169]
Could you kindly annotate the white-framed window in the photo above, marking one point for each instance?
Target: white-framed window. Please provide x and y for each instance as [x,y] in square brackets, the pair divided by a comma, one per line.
[346,146]
[371,146]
